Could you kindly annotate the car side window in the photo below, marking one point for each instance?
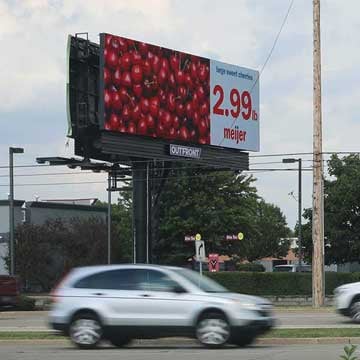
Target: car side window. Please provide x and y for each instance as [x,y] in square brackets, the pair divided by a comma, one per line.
[159,281]
[123,279]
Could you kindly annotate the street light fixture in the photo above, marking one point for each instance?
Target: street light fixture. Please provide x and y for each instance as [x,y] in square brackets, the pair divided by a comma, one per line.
[12,151]
[288,161]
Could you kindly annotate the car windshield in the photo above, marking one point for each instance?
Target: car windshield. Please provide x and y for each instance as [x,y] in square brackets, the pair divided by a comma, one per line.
[202,282]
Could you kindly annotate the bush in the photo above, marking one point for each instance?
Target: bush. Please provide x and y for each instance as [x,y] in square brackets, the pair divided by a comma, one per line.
[25,303]
[268,284]
[250,267]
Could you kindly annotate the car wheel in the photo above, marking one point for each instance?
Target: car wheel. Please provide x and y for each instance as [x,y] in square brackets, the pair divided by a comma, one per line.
[355,311]
[119,341]
[242,341]
[213,330]
[85,330]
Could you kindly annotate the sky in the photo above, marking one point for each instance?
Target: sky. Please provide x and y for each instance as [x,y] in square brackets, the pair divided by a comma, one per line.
[33,36]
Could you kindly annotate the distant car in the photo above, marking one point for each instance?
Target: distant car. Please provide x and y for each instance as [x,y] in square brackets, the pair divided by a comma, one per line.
[122,302]
[9,290]
[347,300]
[292,268]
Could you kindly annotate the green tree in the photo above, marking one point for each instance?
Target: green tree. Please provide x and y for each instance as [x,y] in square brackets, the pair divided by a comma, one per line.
[341,212]
[216,203]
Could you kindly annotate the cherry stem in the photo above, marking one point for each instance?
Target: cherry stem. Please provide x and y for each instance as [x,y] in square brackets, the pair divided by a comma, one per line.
[185,63]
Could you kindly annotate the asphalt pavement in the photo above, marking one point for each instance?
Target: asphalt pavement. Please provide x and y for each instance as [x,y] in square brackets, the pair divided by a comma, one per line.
[60,350]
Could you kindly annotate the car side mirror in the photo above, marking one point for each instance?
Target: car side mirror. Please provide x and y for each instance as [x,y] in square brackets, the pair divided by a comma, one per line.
[177,289]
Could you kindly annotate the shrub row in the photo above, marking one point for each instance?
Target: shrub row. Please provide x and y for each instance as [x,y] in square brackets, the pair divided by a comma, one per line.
[267,284]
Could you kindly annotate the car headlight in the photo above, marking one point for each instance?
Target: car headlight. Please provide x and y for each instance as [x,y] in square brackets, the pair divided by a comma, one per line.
[247,305]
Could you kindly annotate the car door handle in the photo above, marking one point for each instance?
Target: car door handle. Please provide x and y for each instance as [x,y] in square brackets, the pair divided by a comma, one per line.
[98,294]
[145,295]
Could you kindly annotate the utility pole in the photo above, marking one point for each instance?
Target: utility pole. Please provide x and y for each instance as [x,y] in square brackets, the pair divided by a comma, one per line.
[317,217]
[109,220]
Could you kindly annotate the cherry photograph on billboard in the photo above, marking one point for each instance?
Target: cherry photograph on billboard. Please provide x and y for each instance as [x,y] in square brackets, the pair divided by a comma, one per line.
[162,93]
[154,91]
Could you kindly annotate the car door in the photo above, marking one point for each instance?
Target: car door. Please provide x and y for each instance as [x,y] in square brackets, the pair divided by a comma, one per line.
[166,302]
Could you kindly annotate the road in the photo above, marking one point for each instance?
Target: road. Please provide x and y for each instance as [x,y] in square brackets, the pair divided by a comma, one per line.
[324,318]
[59,350]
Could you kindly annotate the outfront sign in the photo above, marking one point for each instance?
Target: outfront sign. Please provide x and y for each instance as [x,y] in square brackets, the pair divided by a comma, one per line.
[166,94]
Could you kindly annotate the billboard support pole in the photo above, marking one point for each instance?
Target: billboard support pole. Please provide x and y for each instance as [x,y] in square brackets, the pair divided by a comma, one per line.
[140,212]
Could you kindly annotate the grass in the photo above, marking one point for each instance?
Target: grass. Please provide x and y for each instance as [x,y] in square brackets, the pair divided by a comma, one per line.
[313,333]
[276,333]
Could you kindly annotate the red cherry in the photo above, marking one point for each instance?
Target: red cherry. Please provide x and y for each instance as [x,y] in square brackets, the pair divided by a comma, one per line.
[193,71]
[203,129]
[200,93]
[180,109]
[154,83]
[150,122]
[202,73]
[196,118]
[114,121]
[107,76]
[166,120]
[143,49]
[204,109]
[126,61]
[162,96]
[193,135]
[111,59]
[189,110]
[184,134]
[172,81]
[136,112]
[172,133]
[154,106]
[126,79]
[162,77]
[146,66]
[164,64]
[114,44]
[126,113]
[174,63]
[131,44]
[116,77]
[124,95]
[136,73]
[107,126]
[122,44]
[160,130]
[144,105]
[180,77]
[142,127]
[107,40]
[122,128]
[137,90]
[155,64]
[170,102]
[176,122]
[116,101]
[203,140]
[182,92]
[107,99]
[136,58]
[150,55]
[131,128]
[188,81]
[195,101]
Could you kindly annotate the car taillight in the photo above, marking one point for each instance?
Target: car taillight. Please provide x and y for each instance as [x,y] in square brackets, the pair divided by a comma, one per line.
[54,291]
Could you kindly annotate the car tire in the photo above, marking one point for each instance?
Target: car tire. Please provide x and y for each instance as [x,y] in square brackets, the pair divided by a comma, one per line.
[355,311]
[242,341]
[85,330]
[119,341]
[213,330]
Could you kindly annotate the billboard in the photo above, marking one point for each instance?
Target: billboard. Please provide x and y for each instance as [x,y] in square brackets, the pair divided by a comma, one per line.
[165,94]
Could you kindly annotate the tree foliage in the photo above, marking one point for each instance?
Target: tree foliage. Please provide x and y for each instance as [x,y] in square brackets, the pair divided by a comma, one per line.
[341,212]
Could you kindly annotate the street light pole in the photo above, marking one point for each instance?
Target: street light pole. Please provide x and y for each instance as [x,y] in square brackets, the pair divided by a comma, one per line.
[299,161]
[12,151]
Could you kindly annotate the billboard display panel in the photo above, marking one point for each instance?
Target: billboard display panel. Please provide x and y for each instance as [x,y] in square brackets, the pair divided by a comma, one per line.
[165,94]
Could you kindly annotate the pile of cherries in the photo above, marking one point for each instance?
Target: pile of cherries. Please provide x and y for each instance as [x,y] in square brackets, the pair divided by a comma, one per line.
[156,91]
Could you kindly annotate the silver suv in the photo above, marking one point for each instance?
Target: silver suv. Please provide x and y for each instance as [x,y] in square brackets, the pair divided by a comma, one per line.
[122,302]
